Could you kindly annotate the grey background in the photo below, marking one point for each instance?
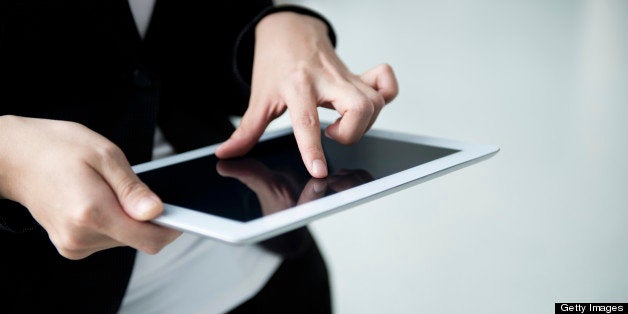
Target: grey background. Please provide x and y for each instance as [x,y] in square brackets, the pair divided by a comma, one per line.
[544,220]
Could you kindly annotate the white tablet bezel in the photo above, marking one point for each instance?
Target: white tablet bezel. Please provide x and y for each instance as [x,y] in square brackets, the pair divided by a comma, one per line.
[236,232]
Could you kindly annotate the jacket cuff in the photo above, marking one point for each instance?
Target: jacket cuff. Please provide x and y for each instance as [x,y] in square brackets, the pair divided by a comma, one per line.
[245,43]
[15,218]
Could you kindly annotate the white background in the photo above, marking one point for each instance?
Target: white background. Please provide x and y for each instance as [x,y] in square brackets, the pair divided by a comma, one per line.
[543,221]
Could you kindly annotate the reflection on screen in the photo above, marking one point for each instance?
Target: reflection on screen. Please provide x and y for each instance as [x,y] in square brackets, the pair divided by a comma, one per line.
[272,176]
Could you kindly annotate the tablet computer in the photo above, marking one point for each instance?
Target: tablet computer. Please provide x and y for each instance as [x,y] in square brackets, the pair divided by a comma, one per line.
[269,191]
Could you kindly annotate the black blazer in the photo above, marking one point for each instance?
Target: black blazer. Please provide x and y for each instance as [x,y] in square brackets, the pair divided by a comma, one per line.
[84,61]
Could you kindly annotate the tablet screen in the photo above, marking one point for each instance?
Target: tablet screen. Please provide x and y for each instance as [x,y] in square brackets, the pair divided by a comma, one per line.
[272,177]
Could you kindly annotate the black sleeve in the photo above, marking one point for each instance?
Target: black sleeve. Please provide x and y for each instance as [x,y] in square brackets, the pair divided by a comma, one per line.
[15,218]
[243,57]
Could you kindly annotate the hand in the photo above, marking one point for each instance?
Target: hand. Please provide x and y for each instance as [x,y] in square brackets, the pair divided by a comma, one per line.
[295,68]
[79,187]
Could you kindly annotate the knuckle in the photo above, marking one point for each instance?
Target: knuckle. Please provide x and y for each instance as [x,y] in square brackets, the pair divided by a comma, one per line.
[127,187]
[378,100]
[73,244]
[103,152]
[364,107]
[86,217]
[108,150]
[307,119]
[386,68]
[300,82]
[70,246]
[300,78]
[73,255]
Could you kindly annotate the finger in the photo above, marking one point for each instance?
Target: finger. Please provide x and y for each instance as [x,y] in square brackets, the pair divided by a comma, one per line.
[382,78]
[313,190]
[144,236]
[307,131]
[141,235]
[356,111]
[137,200]
[251,127]
[102,224]
[378,101]
[79,247]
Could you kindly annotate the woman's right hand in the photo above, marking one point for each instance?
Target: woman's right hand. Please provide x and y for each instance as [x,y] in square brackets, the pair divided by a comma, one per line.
[79,187]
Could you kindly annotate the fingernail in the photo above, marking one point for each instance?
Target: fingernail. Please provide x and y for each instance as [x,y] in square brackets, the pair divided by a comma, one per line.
[320,187]
[219,147]
[319,169]
[146,206]
[327,134]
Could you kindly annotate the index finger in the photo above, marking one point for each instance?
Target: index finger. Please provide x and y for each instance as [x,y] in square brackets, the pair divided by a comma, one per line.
[109,218]
[307,131]
[144,236]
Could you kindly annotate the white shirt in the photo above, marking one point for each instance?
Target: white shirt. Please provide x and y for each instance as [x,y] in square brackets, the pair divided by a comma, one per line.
[193,274]
[142,11]
[196,275]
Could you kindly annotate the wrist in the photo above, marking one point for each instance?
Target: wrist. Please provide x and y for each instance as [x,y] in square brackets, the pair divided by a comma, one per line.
[246,41]
[7,146]
[299,11]
[4,127]
[292,21]
[289,31]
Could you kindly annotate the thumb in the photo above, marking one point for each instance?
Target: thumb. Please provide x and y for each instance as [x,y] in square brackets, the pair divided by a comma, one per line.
[137,200]
[251,128]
